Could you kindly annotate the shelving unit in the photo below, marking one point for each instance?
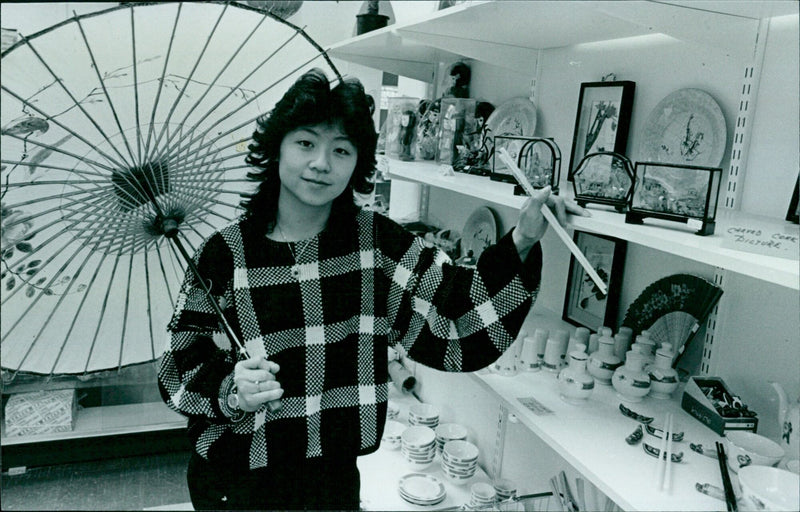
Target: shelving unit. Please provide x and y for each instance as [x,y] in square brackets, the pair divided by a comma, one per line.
[555,45]
[506,34]
[667,237]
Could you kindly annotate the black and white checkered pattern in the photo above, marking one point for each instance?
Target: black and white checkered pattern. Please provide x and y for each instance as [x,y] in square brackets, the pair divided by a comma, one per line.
[363,286]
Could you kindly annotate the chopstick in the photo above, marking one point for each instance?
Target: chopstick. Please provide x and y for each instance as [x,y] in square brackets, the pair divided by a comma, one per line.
[668,465]
[548,215]
[730,497]
[661,465]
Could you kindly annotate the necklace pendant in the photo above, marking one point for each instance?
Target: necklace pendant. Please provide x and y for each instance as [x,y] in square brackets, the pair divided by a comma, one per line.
[296,271]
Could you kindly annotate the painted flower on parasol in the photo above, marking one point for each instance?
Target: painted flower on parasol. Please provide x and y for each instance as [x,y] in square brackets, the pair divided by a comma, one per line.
[123,140]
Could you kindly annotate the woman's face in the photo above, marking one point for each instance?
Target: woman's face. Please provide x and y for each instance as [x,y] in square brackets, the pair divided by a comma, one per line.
[316,164]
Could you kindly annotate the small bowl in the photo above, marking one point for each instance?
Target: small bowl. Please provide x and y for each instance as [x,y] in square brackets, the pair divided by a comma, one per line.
[770,488]
[424,412]
[391,434]
[418,436]
[746,449]
[460,451]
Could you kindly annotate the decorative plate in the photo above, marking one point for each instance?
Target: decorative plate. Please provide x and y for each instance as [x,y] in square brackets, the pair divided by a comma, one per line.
[515,117]
[480,231]
[687,127]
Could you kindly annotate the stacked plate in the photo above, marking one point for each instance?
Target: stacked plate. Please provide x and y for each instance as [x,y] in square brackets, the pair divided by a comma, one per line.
[426,415]
[459,461]
[391,434]
[421,489]
[418,446]
[449,432]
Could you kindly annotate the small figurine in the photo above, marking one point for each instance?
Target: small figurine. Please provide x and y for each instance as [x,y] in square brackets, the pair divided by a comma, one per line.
[408,123]
[459,78]
[427,140]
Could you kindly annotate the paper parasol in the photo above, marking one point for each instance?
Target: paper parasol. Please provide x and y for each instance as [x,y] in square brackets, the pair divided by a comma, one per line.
[116,125]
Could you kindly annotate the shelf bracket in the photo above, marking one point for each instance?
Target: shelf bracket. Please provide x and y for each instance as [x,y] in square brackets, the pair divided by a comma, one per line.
[744,120]
[707,362]
[499,441]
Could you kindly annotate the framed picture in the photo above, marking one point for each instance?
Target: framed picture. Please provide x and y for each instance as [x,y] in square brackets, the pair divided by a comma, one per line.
[682,193]
[602,121]
[584,305]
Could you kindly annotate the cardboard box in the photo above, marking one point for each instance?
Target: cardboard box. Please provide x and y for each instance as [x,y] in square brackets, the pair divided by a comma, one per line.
[698,405]
[41,412]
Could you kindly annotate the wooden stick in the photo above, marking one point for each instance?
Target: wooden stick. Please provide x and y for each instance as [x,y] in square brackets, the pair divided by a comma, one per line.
[548,215]
[667,476]
[662,466]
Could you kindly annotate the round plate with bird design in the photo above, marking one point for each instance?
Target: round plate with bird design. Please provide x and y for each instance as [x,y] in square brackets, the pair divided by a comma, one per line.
[687,128]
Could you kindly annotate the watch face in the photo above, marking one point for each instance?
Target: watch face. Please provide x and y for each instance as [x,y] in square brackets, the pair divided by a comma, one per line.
[233,401]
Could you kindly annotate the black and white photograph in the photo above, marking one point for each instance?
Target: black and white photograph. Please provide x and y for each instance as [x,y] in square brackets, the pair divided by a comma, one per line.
[322,255]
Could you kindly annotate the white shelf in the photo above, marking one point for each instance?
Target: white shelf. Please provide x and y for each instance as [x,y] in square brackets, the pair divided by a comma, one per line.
[109,421]
[591,437]
[510,33]
[671,237]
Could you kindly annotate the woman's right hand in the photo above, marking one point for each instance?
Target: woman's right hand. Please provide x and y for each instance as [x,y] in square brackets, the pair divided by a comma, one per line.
[256,383]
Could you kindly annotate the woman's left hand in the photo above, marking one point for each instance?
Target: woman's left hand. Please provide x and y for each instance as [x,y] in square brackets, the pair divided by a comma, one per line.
[531,225]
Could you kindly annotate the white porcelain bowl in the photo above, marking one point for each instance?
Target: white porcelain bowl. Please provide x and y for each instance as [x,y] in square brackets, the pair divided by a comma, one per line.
[392,433]
[460,452]
[746,449]
[770,488]
[418,436]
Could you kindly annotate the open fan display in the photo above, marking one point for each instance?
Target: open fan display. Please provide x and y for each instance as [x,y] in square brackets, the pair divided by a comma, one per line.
[672,309]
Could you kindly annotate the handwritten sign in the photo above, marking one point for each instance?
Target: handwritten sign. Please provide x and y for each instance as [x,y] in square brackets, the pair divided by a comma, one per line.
[763,239]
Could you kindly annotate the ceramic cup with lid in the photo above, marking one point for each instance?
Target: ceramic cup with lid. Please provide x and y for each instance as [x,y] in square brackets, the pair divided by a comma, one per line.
[575,385]
[630,380]
[663,377]
[603,362]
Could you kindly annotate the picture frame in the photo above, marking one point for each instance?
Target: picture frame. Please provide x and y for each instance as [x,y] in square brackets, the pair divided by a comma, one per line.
[687,194]
[602,121]
[584,305]
[538,158]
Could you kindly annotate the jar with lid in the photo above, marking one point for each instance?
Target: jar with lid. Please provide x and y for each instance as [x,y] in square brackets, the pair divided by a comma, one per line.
[663,377]
[574,382]
[630,380]
[603,362]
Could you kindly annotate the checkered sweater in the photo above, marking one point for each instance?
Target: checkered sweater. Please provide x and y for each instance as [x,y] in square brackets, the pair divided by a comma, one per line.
[362,287]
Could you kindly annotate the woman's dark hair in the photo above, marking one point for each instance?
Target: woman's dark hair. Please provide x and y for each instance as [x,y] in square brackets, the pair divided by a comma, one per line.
[310,101]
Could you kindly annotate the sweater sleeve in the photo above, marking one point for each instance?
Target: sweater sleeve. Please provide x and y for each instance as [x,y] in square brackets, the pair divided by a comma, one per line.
[454,318]
[193,365]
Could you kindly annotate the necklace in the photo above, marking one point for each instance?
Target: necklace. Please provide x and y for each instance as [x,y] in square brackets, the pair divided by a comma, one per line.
[295,257]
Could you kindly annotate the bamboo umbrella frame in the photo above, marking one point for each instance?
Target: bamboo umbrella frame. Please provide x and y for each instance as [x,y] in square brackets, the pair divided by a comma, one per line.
[132,195]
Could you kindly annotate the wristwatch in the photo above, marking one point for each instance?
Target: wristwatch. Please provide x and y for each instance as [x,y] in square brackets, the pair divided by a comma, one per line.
[229,399]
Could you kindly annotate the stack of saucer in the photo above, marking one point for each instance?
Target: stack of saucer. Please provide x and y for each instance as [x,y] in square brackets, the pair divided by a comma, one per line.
[449,432]
[426,415]
[421,489]
[459,461]
[391,434]
[418,446]
[481,495]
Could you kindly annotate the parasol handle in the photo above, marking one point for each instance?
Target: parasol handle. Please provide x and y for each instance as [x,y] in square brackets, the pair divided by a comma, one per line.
[171,234]
[548,215]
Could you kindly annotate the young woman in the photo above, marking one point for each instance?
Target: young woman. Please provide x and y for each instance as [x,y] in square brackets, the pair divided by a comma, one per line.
[324,288]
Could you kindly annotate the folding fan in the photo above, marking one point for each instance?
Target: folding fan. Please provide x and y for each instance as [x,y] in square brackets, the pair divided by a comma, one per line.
[673,308]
